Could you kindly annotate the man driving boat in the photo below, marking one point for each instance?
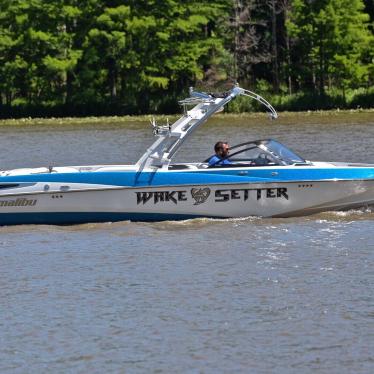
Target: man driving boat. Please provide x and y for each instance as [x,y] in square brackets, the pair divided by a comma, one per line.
[220,158]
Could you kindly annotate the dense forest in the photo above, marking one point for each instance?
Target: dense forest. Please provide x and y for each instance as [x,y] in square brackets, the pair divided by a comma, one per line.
[80,57]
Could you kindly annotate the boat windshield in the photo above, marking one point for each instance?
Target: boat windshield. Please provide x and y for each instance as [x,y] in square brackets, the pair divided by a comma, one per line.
[282,152]
[262,153]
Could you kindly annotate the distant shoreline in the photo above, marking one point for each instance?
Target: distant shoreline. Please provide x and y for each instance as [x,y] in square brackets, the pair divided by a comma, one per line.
[360,115]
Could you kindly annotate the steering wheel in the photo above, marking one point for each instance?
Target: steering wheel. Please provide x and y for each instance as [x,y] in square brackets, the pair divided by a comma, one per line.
[262,159]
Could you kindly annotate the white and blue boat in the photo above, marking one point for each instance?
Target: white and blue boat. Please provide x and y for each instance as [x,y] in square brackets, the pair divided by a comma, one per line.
[264,179]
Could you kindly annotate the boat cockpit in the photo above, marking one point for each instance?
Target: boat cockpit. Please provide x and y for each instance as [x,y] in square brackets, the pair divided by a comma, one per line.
[251,154]
[261,153]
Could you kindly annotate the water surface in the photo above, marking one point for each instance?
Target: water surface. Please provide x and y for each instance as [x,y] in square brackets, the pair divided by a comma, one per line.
[242,295]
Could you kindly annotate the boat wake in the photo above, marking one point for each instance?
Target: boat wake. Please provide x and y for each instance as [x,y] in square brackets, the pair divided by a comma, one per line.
[364,213]
[358,214]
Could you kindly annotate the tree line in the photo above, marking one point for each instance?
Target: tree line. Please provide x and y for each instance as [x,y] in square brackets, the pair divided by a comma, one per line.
[80,57]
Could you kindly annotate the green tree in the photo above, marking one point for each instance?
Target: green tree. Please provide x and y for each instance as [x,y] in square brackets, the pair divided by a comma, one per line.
[134,52]
[36,49]
[331,40]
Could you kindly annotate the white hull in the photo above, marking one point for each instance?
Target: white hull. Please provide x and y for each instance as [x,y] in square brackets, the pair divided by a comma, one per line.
[218,200]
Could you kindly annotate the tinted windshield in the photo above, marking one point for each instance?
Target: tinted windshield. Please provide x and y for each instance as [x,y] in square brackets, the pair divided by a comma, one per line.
[261,153]
[285,154]
[254,154]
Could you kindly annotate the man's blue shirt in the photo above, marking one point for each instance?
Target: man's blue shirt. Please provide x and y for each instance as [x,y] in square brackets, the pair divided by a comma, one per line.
[215,160]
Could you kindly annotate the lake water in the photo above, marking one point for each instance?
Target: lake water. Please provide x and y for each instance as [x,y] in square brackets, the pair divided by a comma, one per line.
[246,295]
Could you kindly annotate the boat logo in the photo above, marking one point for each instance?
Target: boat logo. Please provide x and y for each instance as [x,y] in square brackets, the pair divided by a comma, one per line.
[18,202]
[200,195]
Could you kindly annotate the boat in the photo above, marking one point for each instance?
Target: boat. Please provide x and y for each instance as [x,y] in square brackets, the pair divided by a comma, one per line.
[264,178]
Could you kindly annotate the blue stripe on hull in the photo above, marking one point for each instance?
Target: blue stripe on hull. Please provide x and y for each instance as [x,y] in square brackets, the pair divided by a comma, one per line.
[206,176]
[74,218]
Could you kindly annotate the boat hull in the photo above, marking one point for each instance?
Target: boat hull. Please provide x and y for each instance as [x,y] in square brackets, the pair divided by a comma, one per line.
[114,203]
